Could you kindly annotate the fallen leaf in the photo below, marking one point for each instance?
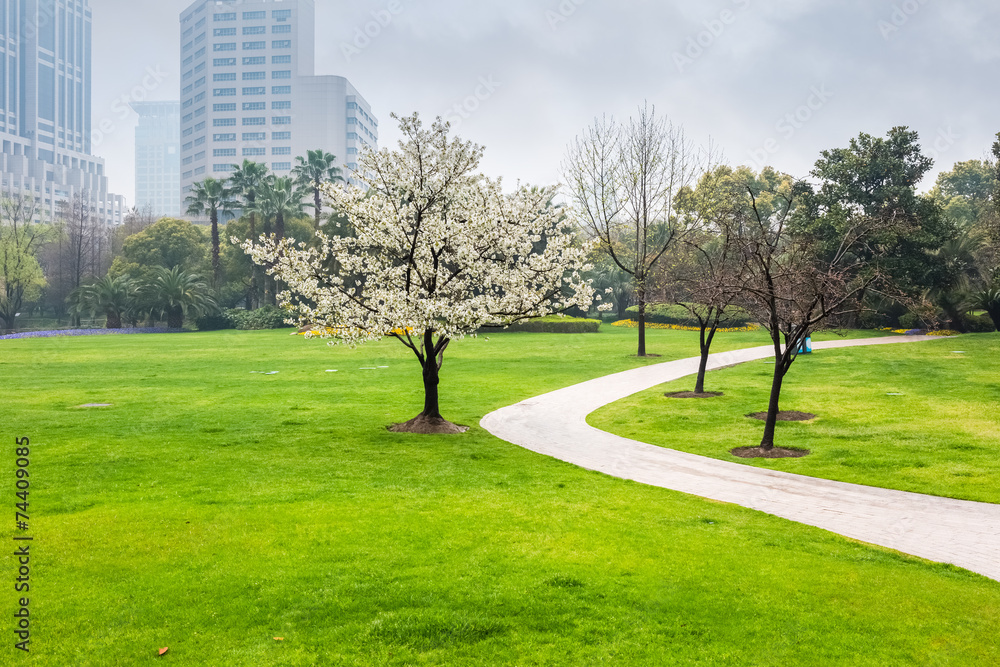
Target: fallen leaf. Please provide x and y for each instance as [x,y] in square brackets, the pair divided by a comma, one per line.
[164,650]
[279,639]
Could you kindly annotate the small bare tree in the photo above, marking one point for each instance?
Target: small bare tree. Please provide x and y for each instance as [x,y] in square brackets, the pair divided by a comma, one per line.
[623,180]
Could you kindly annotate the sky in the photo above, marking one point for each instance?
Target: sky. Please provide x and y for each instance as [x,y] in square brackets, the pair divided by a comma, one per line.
[767,82]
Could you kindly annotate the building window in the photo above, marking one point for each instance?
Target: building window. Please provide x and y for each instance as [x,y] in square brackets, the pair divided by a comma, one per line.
[224,92]
[254,46]
[255,30]
[254,106]
[352,151]
[223,122]
[197,142]
[228,16]
[224,76]
[281,74]
[281,44]
[187,132]
[222,108]
[351,120]
[224,62]
[281,14]
[254,152]
[255,60]
[187,75]
[281,90]
[199,82]
[200,96]
[283,104]
[281,136]
[281,60]
[187,174]
[225,168]
[200,126]
[224,46]
[254,76]
[188,160]
[187,89]
[186,147]
[200,111]
[224,152]
[187,103]
[224,137]
[254,120]
[281,29]
[187,118]
[281,120]
[261,90]
[254,136]
[199,171]
[281,166]
[281,150]
[254,16]
[224,32]
[188,60]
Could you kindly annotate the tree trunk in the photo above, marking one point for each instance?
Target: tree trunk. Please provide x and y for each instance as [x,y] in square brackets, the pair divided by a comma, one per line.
[175,318]
[642,323]
[994,313]
[767,441]
[706,346]
[215,250]
[317,201]
[114,320]
[432,407]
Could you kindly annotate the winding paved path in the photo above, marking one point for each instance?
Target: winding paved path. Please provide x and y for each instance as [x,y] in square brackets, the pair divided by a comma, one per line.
[960,532]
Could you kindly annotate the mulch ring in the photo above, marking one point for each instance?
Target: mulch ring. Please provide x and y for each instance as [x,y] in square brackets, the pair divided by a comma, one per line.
[773,453]
[785,416]
[693,394]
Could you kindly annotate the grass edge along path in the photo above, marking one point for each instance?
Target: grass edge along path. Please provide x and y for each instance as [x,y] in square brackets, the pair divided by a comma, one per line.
[959,532]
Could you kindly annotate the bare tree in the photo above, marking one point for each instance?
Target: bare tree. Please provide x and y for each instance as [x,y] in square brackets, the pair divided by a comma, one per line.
[623,179]
[801,272]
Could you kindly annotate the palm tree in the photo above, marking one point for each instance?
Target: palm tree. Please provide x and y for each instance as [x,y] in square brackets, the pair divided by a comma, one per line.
[209,197]
[278,199]
[115,297]
[175,294]
[312,171]
[244,185]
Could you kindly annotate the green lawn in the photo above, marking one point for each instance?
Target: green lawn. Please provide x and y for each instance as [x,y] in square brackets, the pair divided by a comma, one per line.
[940,436]
[212,509]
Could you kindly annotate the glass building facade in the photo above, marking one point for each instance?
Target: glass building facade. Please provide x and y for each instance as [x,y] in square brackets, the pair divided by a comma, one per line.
[158,158]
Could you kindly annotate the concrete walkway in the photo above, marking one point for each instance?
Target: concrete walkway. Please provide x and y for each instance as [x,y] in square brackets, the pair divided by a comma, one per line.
[960,532]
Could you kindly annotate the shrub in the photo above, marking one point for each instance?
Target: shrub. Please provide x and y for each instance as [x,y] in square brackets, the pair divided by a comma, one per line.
[215,322]
[268,317]
[979,324]
[555,324]
[664,313]
[910,321]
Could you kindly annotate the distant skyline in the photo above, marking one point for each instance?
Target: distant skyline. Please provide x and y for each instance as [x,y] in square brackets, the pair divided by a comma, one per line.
[768,81]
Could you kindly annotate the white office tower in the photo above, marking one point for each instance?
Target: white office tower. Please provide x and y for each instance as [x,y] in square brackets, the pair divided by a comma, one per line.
[45,84]
[158,158]
[248,91]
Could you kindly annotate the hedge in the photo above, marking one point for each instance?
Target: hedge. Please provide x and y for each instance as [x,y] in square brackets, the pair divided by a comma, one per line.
[555,324]
[663,313]
[268,317]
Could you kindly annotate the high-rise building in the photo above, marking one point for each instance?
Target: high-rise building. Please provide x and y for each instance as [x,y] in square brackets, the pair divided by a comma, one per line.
[158,157]
[45,84]
[248,91]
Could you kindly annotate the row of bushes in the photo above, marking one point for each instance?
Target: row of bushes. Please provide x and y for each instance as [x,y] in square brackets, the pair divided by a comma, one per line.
[267,317]
[973,323]
[555,324]
[663,313]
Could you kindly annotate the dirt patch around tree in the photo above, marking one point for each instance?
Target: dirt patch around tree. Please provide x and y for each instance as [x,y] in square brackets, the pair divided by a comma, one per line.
[773,453]
[693,394]
[421,424]
[785,416]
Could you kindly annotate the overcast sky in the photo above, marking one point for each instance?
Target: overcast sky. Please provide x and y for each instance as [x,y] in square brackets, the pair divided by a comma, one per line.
[768,81]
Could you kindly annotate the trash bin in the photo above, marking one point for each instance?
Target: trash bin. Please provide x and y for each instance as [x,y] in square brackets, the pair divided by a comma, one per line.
[806,346]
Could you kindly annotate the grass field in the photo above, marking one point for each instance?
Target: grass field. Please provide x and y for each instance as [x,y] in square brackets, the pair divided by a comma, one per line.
[211,509]
[917,417]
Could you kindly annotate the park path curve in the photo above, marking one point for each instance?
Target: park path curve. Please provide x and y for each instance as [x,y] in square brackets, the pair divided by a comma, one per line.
[960,532]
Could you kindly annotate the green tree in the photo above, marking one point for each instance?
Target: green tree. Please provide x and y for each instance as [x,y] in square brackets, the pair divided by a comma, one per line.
[169,243]
[312,171]
[112,296]
[278,201]
[175,294]
[210,197]
[21,239]
[244,184]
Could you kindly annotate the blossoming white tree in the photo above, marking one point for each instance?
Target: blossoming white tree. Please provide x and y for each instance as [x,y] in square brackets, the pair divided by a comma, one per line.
[436,251]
